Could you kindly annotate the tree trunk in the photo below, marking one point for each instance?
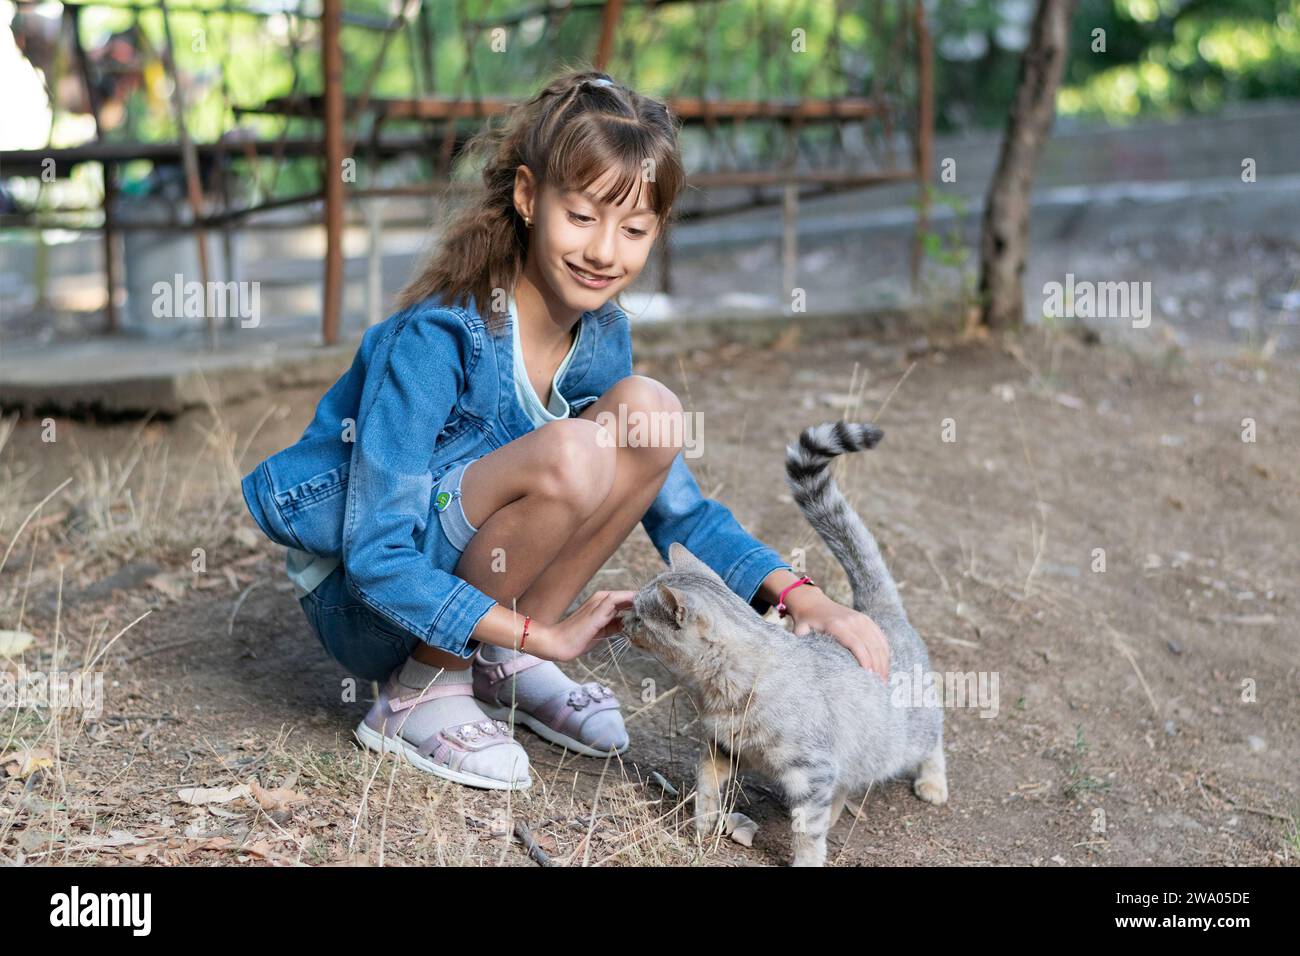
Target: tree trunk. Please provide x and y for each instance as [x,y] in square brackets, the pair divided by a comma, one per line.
[1005,232]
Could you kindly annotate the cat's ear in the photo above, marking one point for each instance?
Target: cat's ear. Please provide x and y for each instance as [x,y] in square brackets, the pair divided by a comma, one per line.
[681,559]
[675,603]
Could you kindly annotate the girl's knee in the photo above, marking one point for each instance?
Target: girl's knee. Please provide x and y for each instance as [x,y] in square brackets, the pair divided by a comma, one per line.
[645,394]
[578,462]
[656,421]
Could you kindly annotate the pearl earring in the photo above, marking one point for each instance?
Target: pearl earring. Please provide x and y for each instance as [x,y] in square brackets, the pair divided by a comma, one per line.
[528,222]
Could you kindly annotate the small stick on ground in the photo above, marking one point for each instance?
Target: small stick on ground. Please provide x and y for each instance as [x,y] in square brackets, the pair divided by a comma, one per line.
[525,836]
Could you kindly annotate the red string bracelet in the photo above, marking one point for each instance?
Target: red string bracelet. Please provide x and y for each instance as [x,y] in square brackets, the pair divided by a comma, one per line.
[780,607]
[525,637]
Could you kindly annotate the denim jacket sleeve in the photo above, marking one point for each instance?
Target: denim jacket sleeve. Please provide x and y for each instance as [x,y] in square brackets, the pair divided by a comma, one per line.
[681,513]
[410,392]
[707,529]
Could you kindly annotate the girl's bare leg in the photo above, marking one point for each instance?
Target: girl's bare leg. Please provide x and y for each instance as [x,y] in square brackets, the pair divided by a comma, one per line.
[553,505]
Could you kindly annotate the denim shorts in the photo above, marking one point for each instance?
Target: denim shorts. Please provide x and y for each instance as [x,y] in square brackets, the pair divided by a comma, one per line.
[365,642]
[451,514]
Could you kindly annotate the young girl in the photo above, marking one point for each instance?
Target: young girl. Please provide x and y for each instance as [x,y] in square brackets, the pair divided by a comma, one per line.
[457,487]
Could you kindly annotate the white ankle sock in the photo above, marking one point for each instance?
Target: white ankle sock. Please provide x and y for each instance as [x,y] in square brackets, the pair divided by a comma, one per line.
[431,716]
[541,682]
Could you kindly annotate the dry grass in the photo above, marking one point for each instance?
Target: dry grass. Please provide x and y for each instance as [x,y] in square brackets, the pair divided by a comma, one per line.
[64,803]
[985,583]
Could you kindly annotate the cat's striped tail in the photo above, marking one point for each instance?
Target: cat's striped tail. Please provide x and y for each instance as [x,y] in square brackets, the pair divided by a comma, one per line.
[819,498]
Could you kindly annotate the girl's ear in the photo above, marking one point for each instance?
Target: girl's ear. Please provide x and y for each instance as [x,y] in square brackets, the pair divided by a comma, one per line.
[525,192]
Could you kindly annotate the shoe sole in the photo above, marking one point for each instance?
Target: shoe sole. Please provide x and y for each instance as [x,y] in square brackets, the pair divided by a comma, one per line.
[380,744]
[546,733]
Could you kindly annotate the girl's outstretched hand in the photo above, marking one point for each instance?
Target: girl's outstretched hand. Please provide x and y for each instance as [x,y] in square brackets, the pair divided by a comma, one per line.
[596,620]
[853,629]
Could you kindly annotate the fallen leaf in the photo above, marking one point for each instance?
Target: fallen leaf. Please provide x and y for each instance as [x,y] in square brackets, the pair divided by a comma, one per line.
[277,799]
[114,838]
[247,537]
[211,843]
[264,850]
[23,763]
[195,796]
[138,854]
[169,585]
[13,643]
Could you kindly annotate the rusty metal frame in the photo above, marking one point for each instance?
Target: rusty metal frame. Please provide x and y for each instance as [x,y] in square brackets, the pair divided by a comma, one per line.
[332,106]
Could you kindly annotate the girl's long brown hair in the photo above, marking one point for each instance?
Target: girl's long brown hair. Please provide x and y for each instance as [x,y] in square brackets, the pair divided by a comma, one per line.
[569,135]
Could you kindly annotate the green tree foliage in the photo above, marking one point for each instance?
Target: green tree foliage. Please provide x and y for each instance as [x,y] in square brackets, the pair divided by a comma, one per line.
[1128,58]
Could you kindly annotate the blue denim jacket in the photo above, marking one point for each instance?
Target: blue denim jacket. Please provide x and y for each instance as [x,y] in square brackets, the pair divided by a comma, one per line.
[428,387]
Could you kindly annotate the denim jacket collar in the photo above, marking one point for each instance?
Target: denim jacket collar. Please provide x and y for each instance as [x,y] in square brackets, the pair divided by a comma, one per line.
[511,415]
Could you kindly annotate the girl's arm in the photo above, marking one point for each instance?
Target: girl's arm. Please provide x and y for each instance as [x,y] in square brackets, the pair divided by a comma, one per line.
[594,621]
[752,569]
[410,391]
[681,513]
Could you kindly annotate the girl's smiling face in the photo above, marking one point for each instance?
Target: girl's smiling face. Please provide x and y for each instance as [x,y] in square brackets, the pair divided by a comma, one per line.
[587,250]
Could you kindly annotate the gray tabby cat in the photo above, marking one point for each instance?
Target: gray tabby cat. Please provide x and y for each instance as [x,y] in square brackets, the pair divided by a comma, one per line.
[798,709]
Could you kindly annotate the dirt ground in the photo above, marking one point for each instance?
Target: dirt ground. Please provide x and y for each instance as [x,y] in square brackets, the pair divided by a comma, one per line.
[1147,713]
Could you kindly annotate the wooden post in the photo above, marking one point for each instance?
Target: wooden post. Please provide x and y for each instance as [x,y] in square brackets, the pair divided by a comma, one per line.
[924,136]
[374,210]
[666,262]
[72,15]
[190,159]
[332,59]
[609,17]
[789,239]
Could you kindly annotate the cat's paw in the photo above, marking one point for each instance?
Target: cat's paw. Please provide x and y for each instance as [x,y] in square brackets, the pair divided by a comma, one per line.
[707,817]
[932,790]
[740,828]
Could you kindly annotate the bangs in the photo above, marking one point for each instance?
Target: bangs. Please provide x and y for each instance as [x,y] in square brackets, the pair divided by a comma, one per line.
[588,153]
